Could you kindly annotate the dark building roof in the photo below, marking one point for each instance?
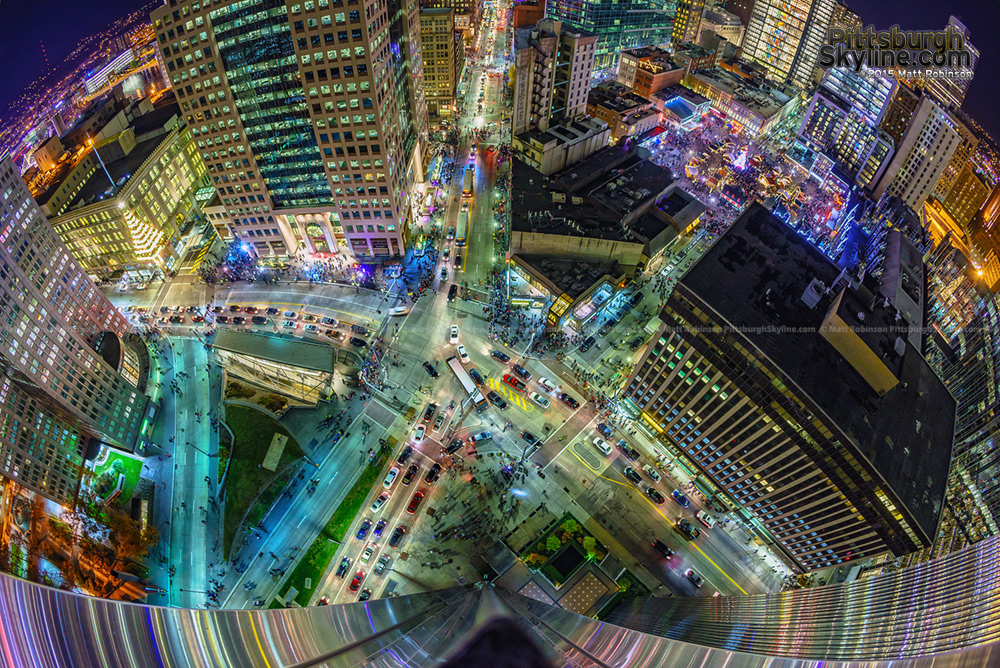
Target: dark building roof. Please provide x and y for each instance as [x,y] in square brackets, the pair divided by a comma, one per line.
[123,168]
[283,350]
[155,119]
[571,277]
[754,277]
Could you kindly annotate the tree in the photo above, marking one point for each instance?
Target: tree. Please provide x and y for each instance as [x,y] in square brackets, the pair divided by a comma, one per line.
[552,543]
[571,526]
[129,540]
[535,559]
[590,547]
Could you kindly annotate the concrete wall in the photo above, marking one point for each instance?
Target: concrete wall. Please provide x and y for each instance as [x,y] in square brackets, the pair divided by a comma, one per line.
[626,253]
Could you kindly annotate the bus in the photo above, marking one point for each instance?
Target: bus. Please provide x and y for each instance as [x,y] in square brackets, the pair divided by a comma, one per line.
[467,183]
[466,382]
[462,229]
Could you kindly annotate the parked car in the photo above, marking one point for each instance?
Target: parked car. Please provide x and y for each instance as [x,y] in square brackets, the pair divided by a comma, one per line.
[655,495]
[432,474]
[415,502]
[379,502]
[397,536]
[363,528]
[539,399]
[632,475]
[568,400]
[390,477]
[662,548]
[695,579]
[429,411]
[379,528]
[680,498]
[705,518]
[438,422]
[418,434]
[368,553]
[547,385]
[365,594]
[345,563]
[497,400]
[383,563]
[430,370]
[521,371]
[603,447]
[405,454]
[410,474]
[605,430]
[358,579]
[503,357]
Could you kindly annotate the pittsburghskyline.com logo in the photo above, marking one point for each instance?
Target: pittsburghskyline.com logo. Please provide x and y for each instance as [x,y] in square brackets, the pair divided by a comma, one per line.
[929,53]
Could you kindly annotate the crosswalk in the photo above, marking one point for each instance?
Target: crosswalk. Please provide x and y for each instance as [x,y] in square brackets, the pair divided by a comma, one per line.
[513,397]
[201,256]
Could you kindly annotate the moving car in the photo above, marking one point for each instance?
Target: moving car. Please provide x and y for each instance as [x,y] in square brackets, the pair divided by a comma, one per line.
[258,320]
[369,551]
[463,355]
[366,524]
[444,273]
[695,579]
[250,309]
[705,519]
[654,495]
[360,330]
[197,318]
[218,318]
[653,474]
[355,341]
[430,370]
[234,308]
[497,400]
[345,563]
[383,563]
[237,320]
[530,438]
[432,474]
[458,261]
[632,475]
[680,498]
[397,536]
[662,548]
[635,344]
[603,447]
[390,477]
[312,329]
[290,315]
[521,371]
[587,343]
[453,334]
[410,474]
[547,385]
[514,382]
[568,400]
[605,430]
[481,436]
[415,502]
[438,422]
[328,321]
[288,324]
[539,399]
[379,502]
[271,310]
[217,309]
[689,530]
[500,356]
[452,292]
[628,450]
[358,579]
[176,319]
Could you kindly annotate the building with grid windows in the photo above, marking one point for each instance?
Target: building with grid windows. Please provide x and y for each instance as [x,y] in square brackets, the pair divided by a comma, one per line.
[617,25]
[785,37]
[309,116]
[444,57]
[59,399]
[796,399]
[687,21]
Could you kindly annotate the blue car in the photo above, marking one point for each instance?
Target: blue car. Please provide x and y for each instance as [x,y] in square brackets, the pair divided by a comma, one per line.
[605,430]
[379,528]
[363,529]
[680,498]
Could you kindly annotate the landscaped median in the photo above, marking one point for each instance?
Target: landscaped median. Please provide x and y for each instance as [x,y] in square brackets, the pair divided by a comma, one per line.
[316,560]
[562,550]
[250,489]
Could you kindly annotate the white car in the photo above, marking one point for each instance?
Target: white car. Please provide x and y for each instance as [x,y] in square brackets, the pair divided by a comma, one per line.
[290,315]
[602,446]
[653,474]
[390,477]
[288,324]
[418,435]
[312,329]
[462,355]
[705,518]
[547,385]
[379,502]
[453,334]
[366,556]
[539,399]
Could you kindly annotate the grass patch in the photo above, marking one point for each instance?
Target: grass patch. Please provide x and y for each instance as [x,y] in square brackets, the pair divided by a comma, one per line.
[111,464]
[225,449]
[275,605]
[253,430]
[317,558]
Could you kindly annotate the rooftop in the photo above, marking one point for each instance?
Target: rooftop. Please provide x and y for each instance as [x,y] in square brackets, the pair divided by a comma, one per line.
[121,169]
[283,350]
[572,277]
[755,276]
[616,97]
[761,97]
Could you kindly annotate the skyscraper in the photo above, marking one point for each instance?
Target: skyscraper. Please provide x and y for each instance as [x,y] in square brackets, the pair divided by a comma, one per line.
[59,398]
[553,62]
[617,25]
[785,37]
[845,19]
[444,54]
[952,90]
[310,116]
[797,400]
[687,22]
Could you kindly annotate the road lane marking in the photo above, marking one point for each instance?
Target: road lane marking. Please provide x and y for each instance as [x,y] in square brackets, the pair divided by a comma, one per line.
[510,394]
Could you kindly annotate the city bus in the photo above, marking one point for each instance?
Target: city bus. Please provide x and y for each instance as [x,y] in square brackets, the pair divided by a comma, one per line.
[466,382]
[467,183]
[462,229]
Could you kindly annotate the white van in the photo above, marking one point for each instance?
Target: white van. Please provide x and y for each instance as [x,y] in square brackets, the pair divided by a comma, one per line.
[603,447]
[399,310]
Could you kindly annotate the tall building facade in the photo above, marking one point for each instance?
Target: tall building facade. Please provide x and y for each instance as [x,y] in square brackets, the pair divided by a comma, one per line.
[742,9]
[738,384]
[966,196]
[952,90]
[785,37]
[845,18]
[309,115]
[444,57]
[687,21]
[553,63]
[901,108]
[963,155]
[921,156]
[59,398]
[617,25]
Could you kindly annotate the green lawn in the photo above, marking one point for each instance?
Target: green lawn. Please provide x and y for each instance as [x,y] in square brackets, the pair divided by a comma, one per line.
[252,430]
[317,558]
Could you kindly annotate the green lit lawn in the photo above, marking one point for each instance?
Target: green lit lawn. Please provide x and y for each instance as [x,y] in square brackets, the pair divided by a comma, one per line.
[130,467]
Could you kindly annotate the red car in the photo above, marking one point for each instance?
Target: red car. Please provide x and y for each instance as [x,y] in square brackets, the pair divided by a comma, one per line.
[415,502]
[514,382]
[356,582]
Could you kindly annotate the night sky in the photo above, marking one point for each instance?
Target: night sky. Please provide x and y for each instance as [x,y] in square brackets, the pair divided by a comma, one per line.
[61,24]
